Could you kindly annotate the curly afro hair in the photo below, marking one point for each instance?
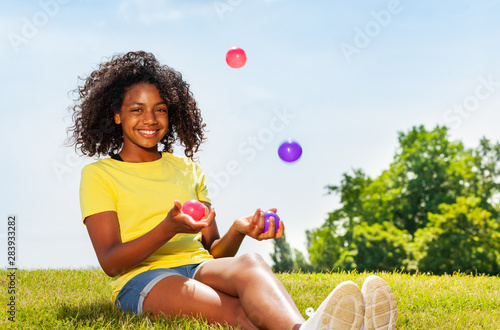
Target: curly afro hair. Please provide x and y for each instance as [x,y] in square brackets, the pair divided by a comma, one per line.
[94,131]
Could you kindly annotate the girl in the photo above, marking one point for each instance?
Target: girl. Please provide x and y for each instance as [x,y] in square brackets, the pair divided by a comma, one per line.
[163,262]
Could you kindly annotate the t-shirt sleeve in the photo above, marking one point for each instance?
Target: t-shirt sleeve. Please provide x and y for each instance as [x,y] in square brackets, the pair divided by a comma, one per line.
[202,189]
[97,193]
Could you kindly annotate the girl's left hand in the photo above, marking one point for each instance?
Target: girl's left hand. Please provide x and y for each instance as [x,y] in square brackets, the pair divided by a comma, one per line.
[252,225]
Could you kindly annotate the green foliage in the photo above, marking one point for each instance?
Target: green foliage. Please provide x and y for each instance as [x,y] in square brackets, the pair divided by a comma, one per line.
[351,191]
[286,260]
[428,171]
[282,256]
[380,246]
[462,237]
[325,248]
[485,183]
[300,263]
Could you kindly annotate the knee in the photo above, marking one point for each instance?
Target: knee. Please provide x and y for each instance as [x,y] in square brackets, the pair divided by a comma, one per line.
[252,262]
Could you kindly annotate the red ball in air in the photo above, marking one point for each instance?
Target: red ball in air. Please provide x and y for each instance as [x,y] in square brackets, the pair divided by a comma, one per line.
[236,57]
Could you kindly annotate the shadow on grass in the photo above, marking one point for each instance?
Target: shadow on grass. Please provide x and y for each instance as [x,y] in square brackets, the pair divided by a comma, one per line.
[104,315]
[96,314]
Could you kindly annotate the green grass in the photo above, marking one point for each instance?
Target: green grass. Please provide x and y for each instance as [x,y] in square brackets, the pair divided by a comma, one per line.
[80,299]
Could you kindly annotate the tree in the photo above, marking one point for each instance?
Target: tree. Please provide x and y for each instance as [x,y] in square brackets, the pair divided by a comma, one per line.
[300,263]
[286,260]
[325,248]
[381,247]
[485,183]
[461,237]
[428,170]
[282,256]
[351,189]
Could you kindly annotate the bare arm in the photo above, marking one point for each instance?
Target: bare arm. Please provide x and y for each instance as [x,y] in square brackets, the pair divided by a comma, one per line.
[116,257]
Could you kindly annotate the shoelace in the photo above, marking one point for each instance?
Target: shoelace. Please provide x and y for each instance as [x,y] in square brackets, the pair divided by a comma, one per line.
[309,311]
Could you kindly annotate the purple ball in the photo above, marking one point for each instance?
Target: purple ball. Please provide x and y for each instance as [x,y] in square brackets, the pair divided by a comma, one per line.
[290,151]
[267,215]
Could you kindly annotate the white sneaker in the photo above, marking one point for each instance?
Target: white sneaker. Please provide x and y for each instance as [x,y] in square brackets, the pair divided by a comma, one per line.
[380,305]
[342,309]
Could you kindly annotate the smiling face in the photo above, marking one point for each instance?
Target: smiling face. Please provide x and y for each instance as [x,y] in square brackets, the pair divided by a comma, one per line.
[144,120]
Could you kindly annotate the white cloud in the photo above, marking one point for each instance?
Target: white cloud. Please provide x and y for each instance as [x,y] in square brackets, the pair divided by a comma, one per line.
[148,11]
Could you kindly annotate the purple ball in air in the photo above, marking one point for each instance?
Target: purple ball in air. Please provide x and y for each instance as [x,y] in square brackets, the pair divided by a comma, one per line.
[267,215]
[290,151]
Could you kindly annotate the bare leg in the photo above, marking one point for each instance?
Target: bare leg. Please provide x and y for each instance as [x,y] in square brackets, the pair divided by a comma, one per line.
[177,294]
[262,296]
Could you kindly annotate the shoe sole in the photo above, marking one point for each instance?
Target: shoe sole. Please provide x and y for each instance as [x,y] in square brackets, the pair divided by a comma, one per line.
[380,304]
[344,309]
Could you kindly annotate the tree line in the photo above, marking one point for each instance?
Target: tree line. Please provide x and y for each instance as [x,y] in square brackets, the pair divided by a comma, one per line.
[435,209]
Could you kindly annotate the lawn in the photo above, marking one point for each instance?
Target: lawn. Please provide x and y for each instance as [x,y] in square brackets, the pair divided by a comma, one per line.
[80,299]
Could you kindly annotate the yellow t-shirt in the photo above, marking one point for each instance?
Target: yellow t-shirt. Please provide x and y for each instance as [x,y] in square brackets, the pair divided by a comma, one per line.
[141,194]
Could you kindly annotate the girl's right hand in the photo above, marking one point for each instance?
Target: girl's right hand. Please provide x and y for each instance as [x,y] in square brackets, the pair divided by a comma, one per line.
[182,223]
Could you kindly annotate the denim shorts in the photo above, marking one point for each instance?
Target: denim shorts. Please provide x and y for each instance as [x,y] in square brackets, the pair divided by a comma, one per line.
[132,294]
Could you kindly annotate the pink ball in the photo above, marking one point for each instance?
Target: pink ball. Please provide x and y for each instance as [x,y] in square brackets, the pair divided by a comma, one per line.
[236,57]
[194,208]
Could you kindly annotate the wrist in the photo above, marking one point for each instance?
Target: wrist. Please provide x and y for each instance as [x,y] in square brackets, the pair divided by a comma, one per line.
[166,230]
[235,232]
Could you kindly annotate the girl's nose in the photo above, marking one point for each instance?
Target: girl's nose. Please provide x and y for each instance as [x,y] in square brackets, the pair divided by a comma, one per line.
[149,118]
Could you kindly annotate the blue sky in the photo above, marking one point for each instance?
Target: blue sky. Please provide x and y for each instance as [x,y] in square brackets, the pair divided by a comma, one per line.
[340,77]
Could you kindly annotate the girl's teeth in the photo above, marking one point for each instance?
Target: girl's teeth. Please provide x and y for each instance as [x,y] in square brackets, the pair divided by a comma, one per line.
[148,132]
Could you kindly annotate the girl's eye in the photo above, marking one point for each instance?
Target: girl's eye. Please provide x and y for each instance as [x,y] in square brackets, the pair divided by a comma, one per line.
[135,110]
[161,110]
